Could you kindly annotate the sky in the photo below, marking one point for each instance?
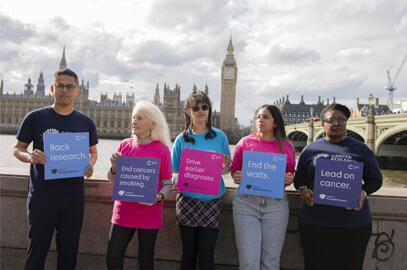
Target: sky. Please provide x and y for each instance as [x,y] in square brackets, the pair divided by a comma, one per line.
[313,48]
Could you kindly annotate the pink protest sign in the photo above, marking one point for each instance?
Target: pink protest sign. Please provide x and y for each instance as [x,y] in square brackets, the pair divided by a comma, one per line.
[200,171]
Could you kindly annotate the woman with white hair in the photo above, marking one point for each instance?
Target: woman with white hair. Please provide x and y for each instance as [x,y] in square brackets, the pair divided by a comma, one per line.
[150,139]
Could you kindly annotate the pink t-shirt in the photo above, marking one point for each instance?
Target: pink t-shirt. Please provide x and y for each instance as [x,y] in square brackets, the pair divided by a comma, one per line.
[254,143]
[133,214]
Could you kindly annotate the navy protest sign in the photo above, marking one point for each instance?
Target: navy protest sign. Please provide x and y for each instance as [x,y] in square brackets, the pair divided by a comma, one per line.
[136,179]
[263,174]
[338,183]
[67,155]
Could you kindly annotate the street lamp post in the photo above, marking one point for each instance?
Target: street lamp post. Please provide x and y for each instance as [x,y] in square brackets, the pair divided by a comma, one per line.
[370,126]
[310,138]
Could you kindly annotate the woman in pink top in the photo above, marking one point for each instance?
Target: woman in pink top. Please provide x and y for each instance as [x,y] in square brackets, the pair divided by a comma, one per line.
[260,222]
[150,139]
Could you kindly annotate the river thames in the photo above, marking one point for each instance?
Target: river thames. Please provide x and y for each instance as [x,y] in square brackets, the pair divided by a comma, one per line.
[10,165]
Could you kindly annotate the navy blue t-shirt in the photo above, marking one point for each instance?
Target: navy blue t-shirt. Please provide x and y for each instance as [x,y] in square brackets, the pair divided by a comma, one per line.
[32,129]
[350,150]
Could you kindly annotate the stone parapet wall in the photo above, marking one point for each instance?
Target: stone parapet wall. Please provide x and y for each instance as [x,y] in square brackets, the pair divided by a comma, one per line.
[387,247]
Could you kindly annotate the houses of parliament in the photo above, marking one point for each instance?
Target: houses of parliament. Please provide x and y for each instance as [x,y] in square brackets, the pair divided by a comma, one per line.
[113,116]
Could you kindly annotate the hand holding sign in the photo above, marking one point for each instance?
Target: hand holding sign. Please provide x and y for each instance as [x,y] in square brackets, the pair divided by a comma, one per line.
[38,157]
[237,177]
[289,178]
[113,160]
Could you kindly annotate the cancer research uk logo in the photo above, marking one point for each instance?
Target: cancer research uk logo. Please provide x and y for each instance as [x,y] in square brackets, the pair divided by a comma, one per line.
[322,196]
[80,137]
[151,162]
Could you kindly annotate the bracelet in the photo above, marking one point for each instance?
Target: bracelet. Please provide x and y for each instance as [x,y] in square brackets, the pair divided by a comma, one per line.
[111,171]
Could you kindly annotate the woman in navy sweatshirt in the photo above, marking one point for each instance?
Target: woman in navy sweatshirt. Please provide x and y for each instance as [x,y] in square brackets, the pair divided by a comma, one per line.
[335,237]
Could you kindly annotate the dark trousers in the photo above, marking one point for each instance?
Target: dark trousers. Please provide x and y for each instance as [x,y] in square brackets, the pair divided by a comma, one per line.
[119,239]
[198,242]
[334,248]
[46,215]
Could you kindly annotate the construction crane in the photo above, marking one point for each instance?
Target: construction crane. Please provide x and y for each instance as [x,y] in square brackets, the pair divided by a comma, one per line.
[391,82]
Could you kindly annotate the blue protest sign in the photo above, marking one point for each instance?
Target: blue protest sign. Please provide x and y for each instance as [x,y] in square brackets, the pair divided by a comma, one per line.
[338,183]
[67,154]
[263,174]
[136,179]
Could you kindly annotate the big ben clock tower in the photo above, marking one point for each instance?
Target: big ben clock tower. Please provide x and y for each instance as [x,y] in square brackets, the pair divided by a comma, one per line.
[228,91]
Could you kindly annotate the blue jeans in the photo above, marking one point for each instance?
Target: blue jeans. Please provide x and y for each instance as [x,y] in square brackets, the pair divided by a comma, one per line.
[260,225]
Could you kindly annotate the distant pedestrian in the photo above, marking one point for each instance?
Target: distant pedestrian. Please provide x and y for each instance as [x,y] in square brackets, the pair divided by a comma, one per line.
[198,215]
[150,139]
[260,222]
[335,237]
[54,204]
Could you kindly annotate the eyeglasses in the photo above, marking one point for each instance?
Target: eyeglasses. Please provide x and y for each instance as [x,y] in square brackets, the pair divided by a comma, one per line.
[331,120]
[203,107]
[69,87]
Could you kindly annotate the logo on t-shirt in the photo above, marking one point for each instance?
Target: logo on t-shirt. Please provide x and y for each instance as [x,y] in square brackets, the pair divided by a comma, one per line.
[50,131]
[315,158]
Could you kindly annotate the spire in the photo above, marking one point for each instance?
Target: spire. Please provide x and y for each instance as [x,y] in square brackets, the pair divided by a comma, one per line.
[1,87]
[41,78]
[206,89]
[302,100]
[194,89]
[230,47]
[230,53]
[62,64]
[157,90]
[40,85]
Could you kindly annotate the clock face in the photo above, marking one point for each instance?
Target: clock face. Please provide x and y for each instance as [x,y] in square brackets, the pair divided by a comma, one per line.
[229,73]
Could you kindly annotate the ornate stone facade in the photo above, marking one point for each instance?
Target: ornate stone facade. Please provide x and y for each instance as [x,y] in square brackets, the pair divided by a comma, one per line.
[113,116]
[299,113]
[362,110]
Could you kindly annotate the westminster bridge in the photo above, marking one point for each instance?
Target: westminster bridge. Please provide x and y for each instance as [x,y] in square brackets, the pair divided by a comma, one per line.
[386,136]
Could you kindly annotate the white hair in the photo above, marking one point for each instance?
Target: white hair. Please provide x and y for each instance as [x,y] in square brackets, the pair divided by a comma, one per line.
[160,132]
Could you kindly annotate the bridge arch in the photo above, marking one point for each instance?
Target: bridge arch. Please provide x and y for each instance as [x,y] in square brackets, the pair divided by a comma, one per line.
[351,132]
[297,135]
[388,134]
[298,139]
[356,133]
[319,134]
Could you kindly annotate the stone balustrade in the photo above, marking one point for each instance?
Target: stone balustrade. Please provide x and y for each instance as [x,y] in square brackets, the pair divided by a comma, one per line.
[387,247]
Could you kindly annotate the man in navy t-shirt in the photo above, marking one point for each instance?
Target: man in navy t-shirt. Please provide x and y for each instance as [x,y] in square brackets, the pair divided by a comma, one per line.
[54,204]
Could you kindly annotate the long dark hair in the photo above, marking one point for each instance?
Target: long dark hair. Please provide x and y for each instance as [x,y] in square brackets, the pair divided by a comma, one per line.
[192,100]
[279,130]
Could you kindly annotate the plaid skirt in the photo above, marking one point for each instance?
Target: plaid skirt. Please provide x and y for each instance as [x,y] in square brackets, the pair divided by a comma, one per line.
[195,213]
